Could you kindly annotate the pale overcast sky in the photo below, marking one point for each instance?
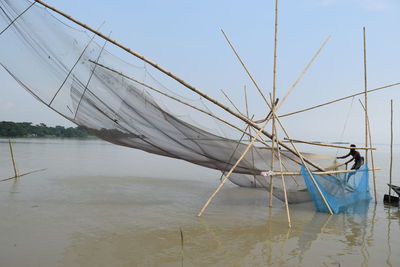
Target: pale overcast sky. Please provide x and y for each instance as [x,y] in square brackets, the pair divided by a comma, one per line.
[184,37]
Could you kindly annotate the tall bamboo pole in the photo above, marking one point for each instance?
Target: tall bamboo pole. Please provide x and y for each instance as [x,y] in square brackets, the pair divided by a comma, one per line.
[372,155]
[391,148]
[365,95]
[271,181]
[13,159]
[231,170]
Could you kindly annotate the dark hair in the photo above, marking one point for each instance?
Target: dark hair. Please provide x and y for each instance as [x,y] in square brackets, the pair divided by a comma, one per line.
[352,145]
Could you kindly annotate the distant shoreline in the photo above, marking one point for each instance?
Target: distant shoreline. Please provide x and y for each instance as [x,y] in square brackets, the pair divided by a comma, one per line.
[9,129]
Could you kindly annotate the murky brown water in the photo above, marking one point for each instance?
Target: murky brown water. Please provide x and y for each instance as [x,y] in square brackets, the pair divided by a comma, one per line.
[102,205]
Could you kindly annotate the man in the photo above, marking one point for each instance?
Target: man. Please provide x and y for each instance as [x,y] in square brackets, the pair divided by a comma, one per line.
[358,160]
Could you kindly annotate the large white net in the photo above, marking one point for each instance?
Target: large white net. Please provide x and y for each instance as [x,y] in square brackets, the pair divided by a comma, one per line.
[127,102]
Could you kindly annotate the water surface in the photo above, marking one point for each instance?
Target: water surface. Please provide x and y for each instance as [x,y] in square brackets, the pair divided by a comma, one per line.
[98,204]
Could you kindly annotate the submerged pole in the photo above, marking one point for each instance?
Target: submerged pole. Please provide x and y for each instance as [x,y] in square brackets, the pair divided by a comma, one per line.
[13,159]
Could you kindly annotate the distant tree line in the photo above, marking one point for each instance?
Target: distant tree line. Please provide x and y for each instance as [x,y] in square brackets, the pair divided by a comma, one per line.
[27,129]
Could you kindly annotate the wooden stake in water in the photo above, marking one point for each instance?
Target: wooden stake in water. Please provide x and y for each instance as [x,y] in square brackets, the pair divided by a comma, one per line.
[13,159]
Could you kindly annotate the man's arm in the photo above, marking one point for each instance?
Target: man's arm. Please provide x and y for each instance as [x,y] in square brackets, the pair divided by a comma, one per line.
[345,156]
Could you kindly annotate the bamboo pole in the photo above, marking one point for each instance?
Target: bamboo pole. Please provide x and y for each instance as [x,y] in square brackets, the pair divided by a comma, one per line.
[304,71]
[305,166]
[14,20]
[315,172]
[271,181]
[338,99]
[16,175]
[10,178]
[231,170]
[233,104]
[190,87]
[372,155]
[245,68]
[328,145]
[365,95]
[250,132]
[283,184]
[391,149]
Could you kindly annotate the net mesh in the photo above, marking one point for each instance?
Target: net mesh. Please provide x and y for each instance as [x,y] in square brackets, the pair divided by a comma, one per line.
[343,192]
[86,81]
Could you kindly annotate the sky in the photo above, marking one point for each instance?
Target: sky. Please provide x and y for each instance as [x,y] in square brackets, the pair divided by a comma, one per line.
[185,38]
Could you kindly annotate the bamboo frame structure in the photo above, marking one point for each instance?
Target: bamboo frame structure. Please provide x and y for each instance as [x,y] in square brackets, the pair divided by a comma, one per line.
[16,175]
[372,155]
[328,145]
[337,100]
[250,123]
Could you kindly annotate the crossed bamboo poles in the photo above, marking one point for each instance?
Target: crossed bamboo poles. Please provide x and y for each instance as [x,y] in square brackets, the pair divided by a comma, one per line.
[254,124]
[17,174]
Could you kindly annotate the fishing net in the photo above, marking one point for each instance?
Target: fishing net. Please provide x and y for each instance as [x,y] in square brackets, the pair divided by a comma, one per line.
[343,192]
[127,102]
